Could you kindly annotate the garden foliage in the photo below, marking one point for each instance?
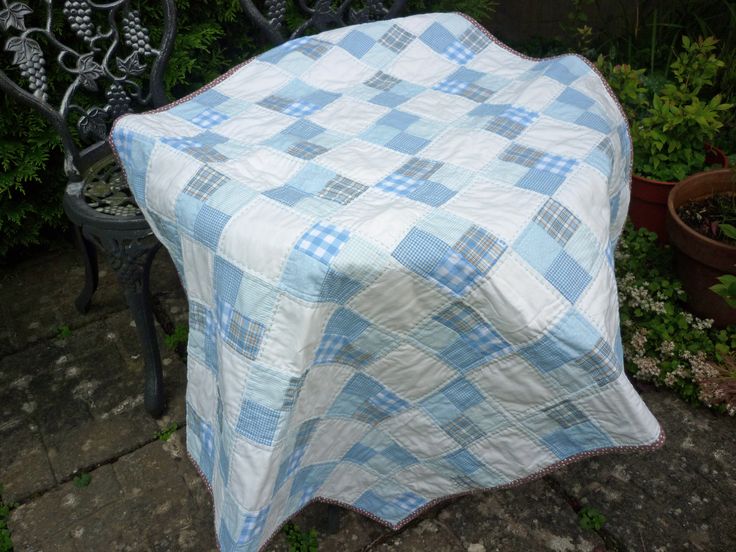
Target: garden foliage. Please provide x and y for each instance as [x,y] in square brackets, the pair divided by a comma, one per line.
[663,342]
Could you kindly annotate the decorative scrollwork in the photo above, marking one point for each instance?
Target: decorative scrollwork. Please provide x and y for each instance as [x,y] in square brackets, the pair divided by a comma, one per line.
[104,47]
[320,15]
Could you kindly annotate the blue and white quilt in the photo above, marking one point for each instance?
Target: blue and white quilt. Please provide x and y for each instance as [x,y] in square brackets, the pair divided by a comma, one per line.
[396,240]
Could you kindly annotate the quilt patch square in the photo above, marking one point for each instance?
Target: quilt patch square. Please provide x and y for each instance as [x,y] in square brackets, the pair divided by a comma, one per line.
[421,252]
[342,190]
[458,53]
[306,150]
[505,127]
[396,39]
[398,184]
[555,164]
[407,143]
[209,225]
[357,43]
[258,423]
[601,363]
[431,193]
[480,248]
[568,277]
[244,335]
[438,38]
[455,273]
[323,242]
[566,414]
[389,99]
[288,195]
[557,220]
[463,430]
[204,183]
[209,118]
[382,81]
[474,39]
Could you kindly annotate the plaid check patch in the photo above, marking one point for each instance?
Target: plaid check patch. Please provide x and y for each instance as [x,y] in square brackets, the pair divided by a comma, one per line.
[353,356]
[555,164]
[601,363]
[505,127]
[409,501]
[182,143]
[329,348]
[257,423]
[557,220]
[463,430]
[606,146]
[521,115]
[197,316]
[476,93]
[205,182]
[253,525]
[123,142]
[245,335]
[480,248]
[382,81]
[474,39]
[300,109]
[458,53]
[521,155]
[342,190]
[275,103]
[398,184]
[323,241]
[311,48]
[209,118]
[566,414]
[306,150]
[459,317]
[451,86]
[456,273]
[420,169]
[396,39]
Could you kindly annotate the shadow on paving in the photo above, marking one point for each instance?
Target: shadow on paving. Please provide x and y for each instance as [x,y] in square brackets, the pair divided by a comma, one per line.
[71,402]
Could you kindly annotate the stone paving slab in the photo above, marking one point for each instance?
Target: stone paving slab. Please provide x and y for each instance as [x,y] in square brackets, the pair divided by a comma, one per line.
[74,403]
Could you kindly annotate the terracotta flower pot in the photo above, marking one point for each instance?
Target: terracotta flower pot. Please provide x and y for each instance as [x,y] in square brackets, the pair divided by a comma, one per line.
[648,207]
[701,260]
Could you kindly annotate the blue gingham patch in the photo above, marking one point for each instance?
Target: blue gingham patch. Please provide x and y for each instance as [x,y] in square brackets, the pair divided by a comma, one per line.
[323,242]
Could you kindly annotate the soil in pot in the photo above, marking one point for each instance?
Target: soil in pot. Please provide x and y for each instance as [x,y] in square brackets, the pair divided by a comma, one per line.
[696,208]
[648,207]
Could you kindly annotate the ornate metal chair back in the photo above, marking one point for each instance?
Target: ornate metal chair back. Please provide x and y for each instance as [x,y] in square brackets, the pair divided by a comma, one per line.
[105,51]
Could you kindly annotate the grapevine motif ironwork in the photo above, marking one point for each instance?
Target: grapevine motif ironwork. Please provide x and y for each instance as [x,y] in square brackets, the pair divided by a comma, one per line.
[108,60]
[111,56]
[321,15]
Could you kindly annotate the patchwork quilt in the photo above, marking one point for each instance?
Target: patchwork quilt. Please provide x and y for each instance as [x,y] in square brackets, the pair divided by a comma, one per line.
[396,241]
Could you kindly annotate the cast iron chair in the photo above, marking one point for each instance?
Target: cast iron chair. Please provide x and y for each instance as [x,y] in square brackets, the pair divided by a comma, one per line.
[113,59]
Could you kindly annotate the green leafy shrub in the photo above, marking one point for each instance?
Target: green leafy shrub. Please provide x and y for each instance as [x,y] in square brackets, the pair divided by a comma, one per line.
[671,121]
[30,193]
[663,342]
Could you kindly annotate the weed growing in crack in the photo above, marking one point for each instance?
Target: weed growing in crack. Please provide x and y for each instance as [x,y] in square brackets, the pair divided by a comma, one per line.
[300,541]
[591,519]
[6,543]
[179,336]
[82,480]
[166,433]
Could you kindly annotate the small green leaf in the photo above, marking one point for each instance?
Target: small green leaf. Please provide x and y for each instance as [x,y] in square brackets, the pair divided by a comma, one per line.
[82,480]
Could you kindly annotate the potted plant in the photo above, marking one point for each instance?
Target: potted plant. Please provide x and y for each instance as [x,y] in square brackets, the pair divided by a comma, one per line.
[672,124]
[701,223]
